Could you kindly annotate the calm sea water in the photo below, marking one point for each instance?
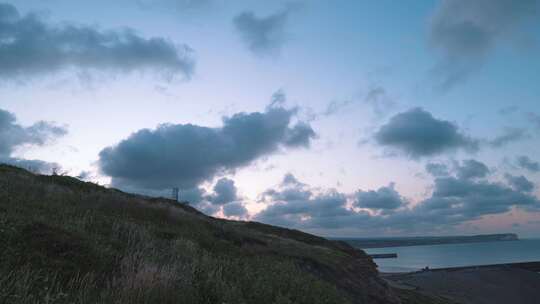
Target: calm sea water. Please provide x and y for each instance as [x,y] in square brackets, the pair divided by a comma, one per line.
[455,255]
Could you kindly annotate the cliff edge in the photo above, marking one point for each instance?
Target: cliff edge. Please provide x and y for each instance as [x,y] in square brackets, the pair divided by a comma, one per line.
[68,241]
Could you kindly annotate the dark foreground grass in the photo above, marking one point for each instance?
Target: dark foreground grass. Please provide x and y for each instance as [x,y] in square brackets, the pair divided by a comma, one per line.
[67,241]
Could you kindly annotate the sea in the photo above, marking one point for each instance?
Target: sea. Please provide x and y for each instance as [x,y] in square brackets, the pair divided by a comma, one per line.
[414,258]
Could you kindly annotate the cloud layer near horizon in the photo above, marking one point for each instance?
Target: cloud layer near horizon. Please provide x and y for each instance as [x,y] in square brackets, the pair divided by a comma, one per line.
[185,155]
[455,199]
[29,46]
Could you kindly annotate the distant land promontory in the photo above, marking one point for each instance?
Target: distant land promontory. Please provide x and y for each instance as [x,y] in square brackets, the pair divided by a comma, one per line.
[427,240]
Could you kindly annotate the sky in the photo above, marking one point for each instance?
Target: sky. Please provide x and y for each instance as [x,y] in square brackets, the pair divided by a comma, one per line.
[339,118]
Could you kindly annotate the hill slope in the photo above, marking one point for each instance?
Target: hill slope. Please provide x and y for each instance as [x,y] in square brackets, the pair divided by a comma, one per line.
[67,241]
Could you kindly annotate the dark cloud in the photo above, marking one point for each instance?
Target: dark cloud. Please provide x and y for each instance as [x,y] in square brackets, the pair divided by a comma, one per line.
[199,198]
[457,200]
[297,205]
[263,35]
[437,170]
[235,209]
[467,169]
[193,195]
[294,204]
[468,195]
[290,189]
[418,134]
[224,192]
[465,32]
[13,135]
[224,197]
[454,200]
[300,135]
[290,179]
[385,198]
[29,46]
[472,169]
[520,183]
[185,155]
[526,163]
[509,135]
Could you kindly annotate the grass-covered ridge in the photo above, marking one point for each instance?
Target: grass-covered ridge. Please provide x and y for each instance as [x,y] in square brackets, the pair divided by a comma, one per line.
[66,241]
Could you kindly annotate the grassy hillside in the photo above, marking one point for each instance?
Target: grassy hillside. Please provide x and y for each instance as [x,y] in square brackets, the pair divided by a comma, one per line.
[67,241]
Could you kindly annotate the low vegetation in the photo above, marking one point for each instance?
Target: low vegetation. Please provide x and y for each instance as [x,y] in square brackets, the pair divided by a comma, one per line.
[66,241]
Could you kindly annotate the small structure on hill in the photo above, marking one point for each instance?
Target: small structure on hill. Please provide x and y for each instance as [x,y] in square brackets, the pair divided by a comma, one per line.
[175,192]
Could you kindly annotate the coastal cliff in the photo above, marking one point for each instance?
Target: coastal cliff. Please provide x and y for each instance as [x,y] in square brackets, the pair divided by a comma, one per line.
[68,241]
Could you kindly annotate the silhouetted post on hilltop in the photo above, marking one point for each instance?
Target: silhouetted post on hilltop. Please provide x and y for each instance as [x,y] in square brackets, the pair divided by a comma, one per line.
[175,192]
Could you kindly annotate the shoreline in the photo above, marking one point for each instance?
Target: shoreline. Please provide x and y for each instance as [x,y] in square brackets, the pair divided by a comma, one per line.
[449,256]
[493,284]
[533,266]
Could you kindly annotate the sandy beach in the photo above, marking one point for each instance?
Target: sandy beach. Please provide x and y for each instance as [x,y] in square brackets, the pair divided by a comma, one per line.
[491,285]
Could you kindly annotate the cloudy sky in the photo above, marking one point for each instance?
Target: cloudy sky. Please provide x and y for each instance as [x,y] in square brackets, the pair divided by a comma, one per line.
[340,118]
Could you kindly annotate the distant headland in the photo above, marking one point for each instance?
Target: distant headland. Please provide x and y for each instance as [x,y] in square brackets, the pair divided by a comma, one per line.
[427,240]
